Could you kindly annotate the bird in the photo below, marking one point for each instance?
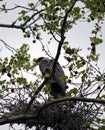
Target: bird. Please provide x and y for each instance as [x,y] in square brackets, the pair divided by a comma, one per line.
[56,82]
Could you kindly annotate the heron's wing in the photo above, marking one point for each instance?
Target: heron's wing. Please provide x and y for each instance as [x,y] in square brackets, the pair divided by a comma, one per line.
[59,74]
[58,67]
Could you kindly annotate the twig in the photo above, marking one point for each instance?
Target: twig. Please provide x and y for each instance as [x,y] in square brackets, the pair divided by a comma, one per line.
[8,46]
[22,26]
[17,6]
[45,50]
[32,17]
[36,92]
[52,33]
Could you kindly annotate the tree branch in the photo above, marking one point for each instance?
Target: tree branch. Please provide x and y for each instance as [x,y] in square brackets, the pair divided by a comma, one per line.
[16,7]
[62,35]
[16,119]
[22,26]
[8,46]
[38,12]
[65,99]
[11,26]
[34,95]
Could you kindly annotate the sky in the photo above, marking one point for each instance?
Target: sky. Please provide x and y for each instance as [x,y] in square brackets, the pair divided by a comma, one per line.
[78,36]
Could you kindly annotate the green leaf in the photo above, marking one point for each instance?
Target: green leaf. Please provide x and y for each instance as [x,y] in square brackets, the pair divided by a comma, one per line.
[72,91]
[21,80]
[3,87]
[20,18]
[2,82]
[47,89]
[63,78]
[23,12]
[31,5]
[4,7]
[103,97]
[1,96]
[103,120]
[96,40]
[102,128]
[66,43]
[25,18]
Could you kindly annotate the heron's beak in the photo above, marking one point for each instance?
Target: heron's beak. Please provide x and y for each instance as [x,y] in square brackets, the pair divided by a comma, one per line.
[33,66]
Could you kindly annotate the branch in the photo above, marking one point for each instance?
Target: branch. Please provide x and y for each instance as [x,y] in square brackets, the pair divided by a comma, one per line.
[32,17]
[17,6]
[8,46]
[11,26]
[36,92]
[22,26]
[62,35]
[16,119]
[65,99]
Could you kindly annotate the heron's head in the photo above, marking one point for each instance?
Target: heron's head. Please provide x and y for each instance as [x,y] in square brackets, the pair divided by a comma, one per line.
[38,61]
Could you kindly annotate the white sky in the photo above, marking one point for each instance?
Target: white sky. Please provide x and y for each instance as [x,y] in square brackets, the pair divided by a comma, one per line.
[78,37]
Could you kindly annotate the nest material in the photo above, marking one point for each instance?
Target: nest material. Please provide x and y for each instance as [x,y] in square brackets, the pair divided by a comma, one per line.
[60,116]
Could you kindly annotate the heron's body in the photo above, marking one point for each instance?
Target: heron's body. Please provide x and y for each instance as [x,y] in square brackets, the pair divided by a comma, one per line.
[57,83]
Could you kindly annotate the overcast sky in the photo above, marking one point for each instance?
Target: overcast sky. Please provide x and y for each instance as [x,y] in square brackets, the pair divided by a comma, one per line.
[78,37]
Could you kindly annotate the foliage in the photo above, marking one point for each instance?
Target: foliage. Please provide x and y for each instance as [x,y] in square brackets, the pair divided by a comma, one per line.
[56,18]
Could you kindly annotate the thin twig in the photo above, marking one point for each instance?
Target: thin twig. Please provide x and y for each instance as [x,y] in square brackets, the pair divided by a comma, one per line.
[38,12]
[8,46]
[16,7]
[34,95]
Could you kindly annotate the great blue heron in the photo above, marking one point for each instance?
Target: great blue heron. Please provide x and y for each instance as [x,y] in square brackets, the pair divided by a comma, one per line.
[57,82]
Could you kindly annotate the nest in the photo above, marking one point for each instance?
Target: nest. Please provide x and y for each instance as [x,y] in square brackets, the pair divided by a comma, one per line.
[60,116]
